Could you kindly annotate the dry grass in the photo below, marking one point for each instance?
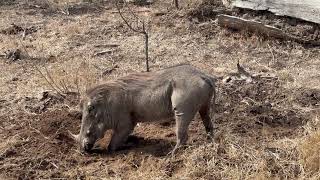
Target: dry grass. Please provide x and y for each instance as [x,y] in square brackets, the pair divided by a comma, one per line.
[310,151]
[281,142]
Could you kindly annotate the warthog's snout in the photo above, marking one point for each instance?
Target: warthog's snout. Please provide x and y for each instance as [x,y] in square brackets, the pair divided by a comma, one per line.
[87,147]
[85,144]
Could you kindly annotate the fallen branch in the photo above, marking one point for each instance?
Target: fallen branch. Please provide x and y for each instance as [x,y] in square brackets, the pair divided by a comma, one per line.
[106,45]
[136,11]
[103,52]
[241,24]
[244,75]
[109,71]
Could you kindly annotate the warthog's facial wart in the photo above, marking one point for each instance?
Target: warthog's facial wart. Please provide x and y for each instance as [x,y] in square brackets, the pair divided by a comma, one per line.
[87,145]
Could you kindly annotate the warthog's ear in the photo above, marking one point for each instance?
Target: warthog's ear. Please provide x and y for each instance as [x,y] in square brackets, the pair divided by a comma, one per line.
[92,104]
[90,108]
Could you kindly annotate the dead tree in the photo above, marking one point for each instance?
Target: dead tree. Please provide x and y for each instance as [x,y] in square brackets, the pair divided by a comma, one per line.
[142,30]
[176,3]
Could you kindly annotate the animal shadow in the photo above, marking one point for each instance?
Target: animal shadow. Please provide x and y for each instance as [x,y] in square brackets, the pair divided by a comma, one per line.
[141,145]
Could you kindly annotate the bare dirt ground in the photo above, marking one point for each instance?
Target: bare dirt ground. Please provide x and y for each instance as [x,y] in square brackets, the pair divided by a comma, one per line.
[264,129]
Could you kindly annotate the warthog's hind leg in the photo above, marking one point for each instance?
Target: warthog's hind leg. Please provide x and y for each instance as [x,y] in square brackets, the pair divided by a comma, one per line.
[205,116]
[184,112]
[183,119]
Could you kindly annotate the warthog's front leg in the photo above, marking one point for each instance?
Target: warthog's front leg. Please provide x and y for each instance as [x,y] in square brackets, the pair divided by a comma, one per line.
[120,135]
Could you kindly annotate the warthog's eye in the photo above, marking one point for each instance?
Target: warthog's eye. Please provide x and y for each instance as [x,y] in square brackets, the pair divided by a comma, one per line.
[90,108]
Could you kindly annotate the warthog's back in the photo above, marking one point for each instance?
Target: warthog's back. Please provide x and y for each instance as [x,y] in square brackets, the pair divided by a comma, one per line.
[148,95]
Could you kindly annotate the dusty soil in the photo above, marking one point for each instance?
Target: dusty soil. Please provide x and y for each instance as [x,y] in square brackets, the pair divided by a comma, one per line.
[264,128]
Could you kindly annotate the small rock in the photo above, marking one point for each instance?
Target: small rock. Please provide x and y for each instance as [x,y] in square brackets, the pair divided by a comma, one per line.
[103,52]
[75,113]
[13,54]
[82,8]
[51,95]
[15,79]
[293,22]
[140,2]
[13,29]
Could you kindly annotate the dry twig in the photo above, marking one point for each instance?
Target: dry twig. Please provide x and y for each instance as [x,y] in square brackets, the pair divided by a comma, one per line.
[271,51]
[176,3]
[52,84]
[141,30]
[48,78]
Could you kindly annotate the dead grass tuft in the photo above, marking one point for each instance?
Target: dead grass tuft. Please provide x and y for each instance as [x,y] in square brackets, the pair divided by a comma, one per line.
[309,148]
[310,152]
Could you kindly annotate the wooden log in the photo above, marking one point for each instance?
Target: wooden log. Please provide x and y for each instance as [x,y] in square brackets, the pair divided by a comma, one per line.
[241,24]
[308,10]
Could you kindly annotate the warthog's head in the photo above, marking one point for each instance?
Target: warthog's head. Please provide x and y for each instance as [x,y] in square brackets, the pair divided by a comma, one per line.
[93,124]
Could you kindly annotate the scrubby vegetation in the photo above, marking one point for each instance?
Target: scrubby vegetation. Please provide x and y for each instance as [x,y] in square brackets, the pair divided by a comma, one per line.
[265,128]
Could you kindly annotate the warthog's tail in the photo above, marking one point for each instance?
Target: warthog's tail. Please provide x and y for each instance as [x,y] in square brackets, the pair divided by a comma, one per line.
[209,80]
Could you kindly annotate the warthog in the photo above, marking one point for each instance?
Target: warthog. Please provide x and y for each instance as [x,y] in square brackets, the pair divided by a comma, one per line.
[177,92]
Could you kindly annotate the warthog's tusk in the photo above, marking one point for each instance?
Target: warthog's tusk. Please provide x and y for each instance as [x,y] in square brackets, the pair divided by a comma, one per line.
[74,136]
